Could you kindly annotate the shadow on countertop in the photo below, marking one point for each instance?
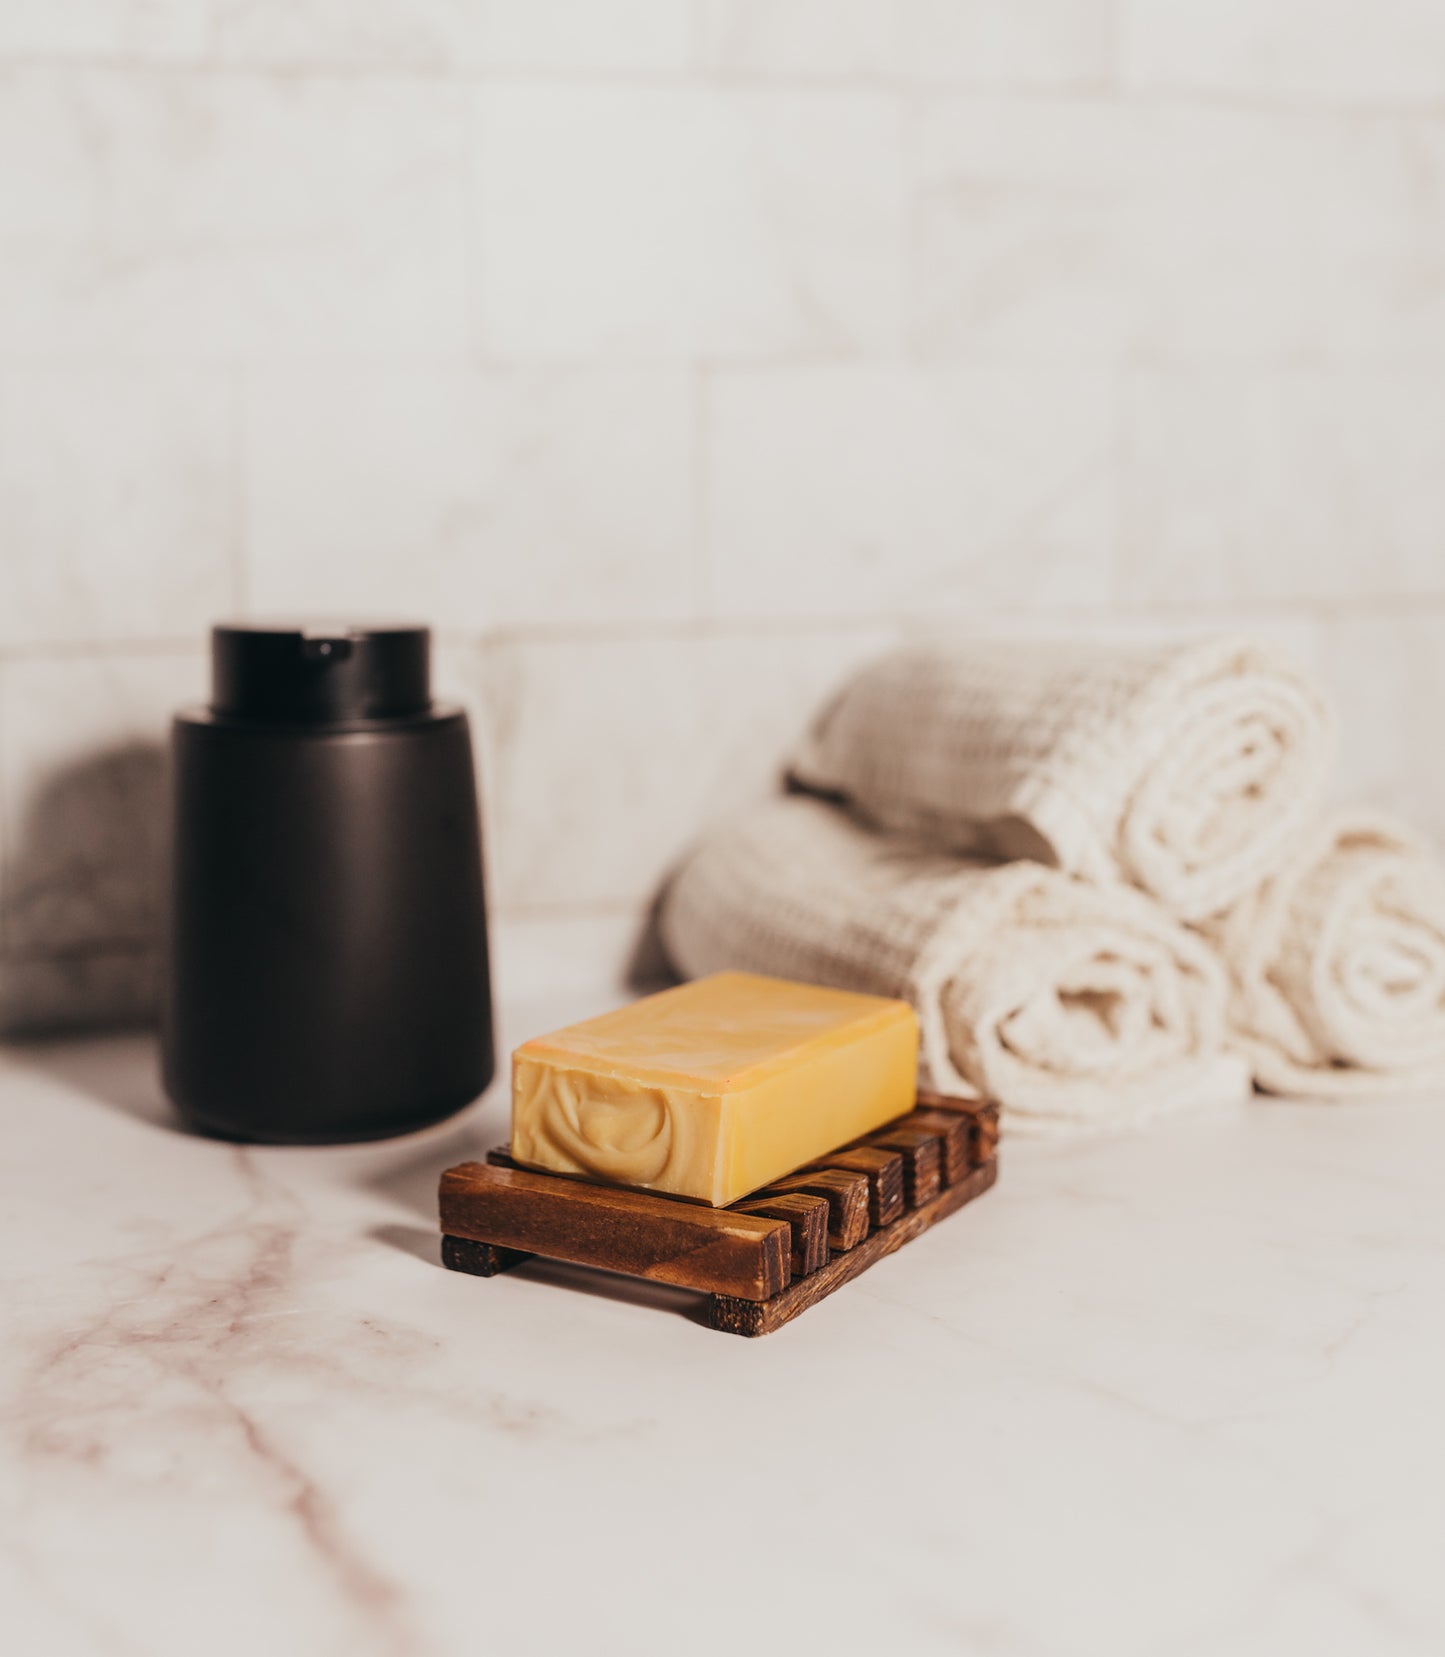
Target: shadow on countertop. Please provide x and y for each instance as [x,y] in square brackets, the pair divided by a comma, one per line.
[424,1244]
[121,1071]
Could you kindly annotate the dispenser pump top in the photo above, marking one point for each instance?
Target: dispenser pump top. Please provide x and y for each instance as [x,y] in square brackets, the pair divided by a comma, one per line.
[301,673]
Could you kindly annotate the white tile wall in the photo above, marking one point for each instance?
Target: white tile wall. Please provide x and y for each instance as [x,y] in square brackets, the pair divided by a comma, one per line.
[607,756]
[1283,484]
[824,38]
[132,28]
[1046,43]
[1388,675]
[843,491]
[400,34]
[149,211]
[680,222]
[117,500]
[553,35]
[626,35]
[951,42]
[672,356]
[1391,51]
[526,496]
[1134,231]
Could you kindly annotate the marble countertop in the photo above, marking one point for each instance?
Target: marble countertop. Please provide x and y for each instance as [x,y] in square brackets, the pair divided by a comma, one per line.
[1179,1393]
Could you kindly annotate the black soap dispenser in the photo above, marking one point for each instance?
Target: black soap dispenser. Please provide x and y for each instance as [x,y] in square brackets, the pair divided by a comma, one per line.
[326,971]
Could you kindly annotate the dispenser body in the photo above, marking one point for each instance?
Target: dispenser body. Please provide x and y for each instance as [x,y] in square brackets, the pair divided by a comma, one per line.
[326,975]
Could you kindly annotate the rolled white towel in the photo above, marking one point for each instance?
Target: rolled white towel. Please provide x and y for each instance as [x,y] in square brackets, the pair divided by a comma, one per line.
[1186,769]
[1076,1008]
[1338,964]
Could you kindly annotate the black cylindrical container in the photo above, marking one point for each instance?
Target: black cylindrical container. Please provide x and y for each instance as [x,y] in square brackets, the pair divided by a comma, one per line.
[326,975]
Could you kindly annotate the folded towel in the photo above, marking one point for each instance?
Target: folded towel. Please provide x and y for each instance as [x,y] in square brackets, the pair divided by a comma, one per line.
[1338,964]
[1187,770]
[1074,1007]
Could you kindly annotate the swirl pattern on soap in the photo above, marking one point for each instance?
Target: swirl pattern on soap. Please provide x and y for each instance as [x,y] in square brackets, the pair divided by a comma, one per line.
[609,1128]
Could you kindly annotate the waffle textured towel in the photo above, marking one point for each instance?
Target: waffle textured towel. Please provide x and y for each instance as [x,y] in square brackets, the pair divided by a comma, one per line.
[1187,770]
[1338,964]
[1074,1007]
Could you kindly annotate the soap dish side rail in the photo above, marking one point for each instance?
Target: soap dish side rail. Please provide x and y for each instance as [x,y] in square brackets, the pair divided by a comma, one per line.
[763,1260]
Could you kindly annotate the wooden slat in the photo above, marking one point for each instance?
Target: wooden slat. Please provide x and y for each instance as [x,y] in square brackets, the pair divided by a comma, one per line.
[922,1154]
[954,1133]
[808,1217]
[847,1196]
[743,1317]
[742,1255]
[981,1115]
[930,1099]
[984,1141]
[884,1170]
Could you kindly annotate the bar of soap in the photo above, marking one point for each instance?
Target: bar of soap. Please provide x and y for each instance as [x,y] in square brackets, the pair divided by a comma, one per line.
[715,1088]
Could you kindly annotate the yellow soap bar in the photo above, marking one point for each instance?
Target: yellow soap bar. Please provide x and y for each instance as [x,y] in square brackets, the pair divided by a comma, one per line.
[714,1088]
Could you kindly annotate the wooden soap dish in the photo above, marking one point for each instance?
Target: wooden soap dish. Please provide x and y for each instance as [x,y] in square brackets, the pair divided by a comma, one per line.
[763,1260]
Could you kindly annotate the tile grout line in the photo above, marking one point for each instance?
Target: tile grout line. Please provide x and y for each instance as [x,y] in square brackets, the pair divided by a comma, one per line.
[1185,612]
[1121,542]
[987,360]
[240,490]
[912,298]
[703,550]
[140,647]
[474,260]
[696,53]
[1189,613]
[1090,90]
[1115,28]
